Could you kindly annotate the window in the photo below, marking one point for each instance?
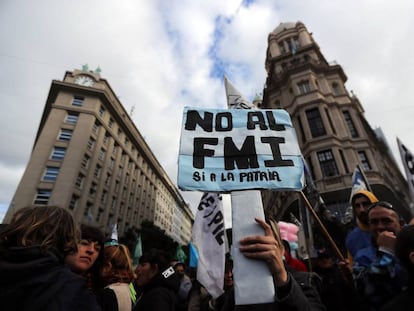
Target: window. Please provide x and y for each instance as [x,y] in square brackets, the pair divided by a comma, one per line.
[79,180]
[103,197]
[327,163]
[108,179]
[78,101]
[119,133]
[97,170]
[73,202]
[51,173]
[102,154]
[364,160]
[91,143]
[101,111]
[71,118]
[93,189]
[114,150]
[335,89]
[58,153]
[304,87]
[315,122]
[85,161]
[65,134]
[111,123]
[350,123]
[111,163]
[95,127]
[42,197]
[106,139]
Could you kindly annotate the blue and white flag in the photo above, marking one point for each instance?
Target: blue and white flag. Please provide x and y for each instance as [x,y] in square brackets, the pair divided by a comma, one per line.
[359,182]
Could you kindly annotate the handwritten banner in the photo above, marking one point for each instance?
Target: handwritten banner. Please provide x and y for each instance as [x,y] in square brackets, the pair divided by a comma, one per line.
[235,149]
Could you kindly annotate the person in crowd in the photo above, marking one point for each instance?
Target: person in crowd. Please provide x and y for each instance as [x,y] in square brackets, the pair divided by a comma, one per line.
[185,285]
[117,274]
[295,290]
[404,250]
[157,283]
[337,289]
[201,300]
[87,260]
[291,261]
[360,237]
[377,273]
[33,273]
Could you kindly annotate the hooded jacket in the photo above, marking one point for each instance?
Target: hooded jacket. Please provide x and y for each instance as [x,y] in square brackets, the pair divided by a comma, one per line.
[359,237]
[34,280]
[160,294]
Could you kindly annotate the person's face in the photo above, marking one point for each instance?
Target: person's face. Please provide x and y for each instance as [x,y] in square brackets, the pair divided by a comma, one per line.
[228,276]
[382,219]
[81,261]
[145,272]
[179,269]
[361,205]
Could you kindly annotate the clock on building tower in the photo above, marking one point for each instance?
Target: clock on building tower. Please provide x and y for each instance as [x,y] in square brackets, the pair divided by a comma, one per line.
[84,80]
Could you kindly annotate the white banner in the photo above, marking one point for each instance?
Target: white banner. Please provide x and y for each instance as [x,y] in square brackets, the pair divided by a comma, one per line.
[209,237]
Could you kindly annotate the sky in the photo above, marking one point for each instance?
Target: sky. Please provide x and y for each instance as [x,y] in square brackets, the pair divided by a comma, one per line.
[160,56]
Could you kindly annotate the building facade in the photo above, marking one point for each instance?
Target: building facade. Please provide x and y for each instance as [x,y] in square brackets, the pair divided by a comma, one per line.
[89,157]
[333,134]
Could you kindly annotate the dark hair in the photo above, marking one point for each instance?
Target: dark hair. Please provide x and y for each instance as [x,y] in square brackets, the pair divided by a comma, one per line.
[158,257]
[51,228]
[404,246]
[94,234]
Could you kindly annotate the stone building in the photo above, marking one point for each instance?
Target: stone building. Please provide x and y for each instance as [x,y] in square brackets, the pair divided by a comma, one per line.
[89,157]
[333,134]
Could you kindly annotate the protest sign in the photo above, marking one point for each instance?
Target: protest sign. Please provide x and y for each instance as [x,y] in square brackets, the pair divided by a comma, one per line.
[236,149]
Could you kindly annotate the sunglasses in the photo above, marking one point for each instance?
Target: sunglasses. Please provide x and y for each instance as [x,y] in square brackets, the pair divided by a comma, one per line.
[381,204]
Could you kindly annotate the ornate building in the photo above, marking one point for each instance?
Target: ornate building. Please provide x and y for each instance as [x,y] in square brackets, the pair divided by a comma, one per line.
[89,156]
[333,134]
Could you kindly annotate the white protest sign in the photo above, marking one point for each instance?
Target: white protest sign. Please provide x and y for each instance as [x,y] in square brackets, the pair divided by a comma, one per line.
[236,149]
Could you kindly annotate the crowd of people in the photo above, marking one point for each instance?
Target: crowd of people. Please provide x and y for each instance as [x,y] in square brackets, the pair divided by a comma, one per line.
[48,262]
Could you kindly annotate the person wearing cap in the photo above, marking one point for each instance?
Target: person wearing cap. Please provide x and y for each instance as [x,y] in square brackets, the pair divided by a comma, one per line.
[360,237]
[378,275]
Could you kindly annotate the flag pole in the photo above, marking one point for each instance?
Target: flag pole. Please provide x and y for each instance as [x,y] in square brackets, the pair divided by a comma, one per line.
[325,232]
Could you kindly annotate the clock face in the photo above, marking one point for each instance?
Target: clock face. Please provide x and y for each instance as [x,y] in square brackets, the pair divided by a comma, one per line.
[84,80]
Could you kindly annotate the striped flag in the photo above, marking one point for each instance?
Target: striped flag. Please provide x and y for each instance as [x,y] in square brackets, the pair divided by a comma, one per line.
[359,182]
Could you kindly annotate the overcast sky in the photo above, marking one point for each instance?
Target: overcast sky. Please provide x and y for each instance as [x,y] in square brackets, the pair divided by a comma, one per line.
[160,56]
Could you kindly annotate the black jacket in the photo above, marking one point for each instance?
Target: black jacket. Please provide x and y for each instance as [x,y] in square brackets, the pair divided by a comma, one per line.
[32,280]
[301,293]
[160,294]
